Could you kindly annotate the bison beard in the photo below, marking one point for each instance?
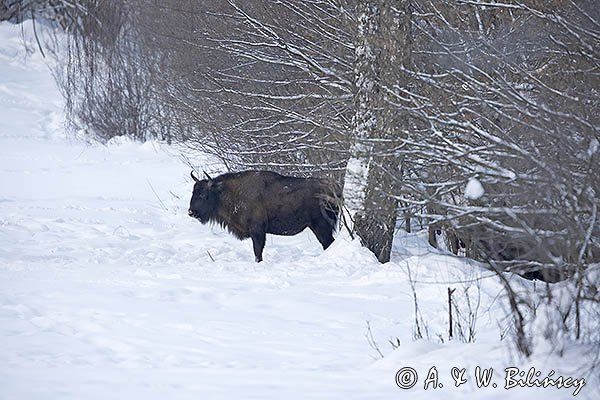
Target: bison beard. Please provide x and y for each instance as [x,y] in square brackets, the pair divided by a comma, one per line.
[251,204]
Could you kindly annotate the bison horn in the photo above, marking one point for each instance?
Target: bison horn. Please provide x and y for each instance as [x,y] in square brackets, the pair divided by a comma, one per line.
[207,176]
[193,177]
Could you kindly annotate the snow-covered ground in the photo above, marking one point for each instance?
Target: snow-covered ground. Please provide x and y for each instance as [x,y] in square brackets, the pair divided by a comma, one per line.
[109,290]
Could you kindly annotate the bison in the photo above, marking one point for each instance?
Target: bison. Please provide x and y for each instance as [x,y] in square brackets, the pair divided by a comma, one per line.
[251,204]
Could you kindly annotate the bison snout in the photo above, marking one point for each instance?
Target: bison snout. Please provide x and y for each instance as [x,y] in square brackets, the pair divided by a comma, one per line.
[191,213]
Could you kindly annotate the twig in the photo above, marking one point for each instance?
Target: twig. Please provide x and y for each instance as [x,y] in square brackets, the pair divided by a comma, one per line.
[371,341]
[159,200]
[450,292]
[36,35]
[344,208]
[211,257]
[417,334]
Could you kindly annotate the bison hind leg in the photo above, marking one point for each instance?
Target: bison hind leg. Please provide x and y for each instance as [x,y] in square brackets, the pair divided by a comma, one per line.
[258,242]
[323,230]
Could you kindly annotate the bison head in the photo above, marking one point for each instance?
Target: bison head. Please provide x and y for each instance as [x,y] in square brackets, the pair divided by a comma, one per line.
[204,202]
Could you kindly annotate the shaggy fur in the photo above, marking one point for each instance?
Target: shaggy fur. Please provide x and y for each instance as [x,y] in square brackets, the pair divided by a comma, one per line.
[251,204]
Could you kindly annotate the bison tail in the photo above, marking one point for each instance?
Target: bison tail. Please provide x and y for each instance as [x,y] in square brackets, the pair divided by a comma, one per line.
[331,202]
[330,209]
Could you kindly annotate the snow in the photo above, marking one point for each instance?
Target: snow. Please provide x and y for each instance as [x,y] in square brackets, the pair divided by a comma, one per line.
[109,290]
[474,189]
[594,146]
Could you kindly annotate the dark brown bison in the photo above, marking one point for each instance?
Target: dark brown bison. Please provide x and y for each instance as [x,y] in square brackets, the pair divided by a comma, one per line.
[251,204]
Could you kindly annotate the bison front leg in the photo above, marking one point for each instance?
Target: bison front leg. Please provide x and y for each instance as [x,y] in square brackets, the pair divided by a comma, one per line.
[258,242]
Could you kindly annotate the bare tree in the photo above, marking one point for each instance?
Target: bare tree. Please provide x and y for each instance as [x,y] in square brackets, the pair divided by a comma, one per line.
[264,85]
[383,48]
[110,78]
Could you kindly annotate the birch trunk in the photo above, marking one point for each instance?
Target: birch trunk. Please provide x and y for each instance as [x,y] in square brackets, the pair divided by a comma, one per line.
[382,49]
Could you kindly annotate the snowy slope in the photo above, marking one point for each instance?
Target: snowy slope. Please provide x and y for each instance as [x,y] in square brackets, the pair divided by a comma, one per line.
[109,290]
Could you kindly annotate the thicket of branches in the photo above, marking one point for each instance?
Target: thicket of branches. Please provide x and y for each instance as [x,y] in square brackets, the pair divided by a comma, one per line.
[508,95]
[259,83]
[406,102]
[61,12]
